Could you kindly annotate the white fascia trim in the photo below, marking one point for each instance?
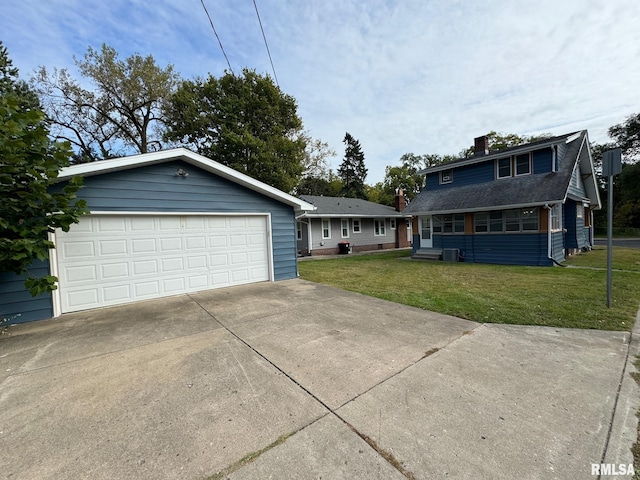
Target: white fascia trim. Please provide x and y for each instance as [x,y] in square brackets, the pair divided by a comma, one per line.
[498,154]
[151,213]
[390,215]
[200,161]
[487,209]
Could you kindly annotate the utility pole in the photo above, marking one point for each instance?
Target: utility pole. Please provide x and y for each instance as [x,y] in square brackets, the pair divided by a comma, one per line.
[611,165]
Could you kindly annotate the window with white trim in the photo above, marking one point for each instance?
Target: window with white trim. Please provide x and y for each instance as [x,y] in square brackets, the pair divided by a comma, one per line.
[500,221]
[523,164]
[356,225]
[379,228]
[299,230]
[453,223]
[392,223]
[503,167]
[344,228]
[446,176]
[556,217]
[326,228]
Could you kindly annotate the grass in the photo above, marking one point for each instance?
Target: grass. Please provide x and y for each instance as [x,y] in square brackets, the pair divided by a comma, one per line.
[549,296]
[623,259]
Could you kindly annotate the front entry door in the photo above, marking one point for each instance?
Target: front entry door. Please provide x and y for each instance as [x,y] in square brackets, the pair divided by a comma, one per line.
[425,232]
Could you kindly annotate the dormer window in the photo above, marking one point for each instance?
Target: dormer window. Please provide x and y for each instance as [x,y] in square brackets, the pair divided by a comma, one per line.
[446,176]
[514,166]
[503,167]
[523,164]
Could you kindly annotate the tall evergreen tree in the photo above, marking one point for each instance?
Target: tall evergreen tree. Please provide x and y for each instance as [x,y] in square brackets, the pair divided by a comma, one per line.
[352,170]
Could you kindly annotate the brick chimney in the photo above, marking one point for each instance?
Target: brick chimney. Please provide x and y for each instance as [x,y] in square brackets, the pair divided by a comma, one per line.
[400,201]
[480,146]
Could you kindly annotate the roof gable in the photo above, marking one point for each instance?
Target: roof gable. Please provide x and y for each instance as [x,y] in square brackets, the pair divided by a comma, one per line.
[197,160]
[516,192]
[348,207]
[527,147]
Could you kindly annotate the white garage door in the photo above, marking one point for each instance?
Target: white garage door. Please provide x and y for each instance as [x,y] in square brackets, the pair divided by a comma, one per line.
[113,259]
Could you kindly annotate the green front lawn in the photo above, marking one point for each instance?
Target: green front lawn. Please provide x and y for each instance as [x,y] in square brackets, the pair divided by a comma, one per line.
[551,296]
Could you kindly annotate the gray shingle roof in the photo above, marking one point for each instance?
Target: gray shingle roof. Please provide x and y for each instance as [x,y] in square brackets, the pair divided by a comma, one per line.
[348,207]
[527,190]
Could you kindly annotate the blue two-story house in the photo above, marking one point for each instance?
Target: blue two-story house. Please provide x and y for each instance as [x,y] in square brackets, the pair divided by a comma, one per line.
[526,205]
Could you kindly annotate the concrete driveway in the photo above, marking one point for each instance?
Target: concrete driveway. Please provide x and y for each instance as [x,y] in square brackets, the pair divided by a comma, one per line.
[308,381]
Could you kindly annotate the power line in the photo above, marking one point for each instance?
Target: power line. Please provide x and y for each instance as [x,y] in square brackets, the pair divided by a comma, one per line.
[265,43]
[214,31]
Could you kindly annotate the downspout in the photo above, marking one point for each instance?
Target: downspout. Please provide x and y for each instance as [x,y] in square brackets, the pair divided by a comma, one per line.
[309,239]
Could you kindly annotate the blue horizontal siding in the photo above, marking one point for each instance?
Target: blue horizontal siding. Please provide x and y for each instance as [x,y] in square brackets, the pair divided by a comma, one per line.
[482,172]
[569,224]
[542,160]
[466,175]
[557,246]
[505,249]
[17,304]
[156,188]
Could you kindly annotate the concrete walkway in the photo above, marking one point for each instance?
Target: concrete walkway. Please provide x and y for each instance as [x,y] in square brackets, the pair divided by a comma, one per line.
[298,380]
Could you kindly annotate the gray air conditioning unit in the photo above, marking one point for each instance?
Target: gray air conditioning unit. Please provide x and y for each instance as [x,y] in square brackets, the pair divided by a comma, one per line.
[451,255]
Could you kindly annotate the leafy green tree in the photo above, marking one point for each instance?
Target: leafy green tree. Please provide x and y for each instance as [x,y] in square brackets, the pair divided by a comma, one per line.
[626,135]
[29,166]
[121,112]
[500,141]
[352,170]
[243,121]
[315,162]
[329,185]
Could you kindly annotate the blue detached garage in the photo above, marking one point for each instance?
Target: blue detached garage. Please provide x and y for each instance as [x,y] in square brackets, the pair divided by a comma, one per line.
[161,224]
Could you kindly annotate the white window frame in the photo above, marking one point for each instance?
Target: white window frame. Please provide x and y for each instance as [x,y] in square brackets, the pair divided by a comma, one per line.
[299,230]
[379,227]
[515,164]
[322,229]
[444,178]
[556,217]
[344,228]
[498,168]
[392,223]
[356,225]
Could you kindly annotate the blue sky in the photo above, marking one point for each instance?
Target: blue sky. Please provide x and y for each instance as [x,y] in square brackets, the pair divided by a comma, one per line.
[424,76]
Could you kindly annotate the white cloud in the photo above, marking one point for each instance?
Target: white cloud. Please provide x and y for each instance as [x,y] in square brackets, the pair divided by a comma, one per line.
[401,76]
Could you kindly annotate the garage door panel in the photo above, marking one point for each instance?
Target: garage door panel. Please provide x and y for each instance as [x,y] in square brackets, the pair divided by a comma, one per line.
[143,245]
[145,267]
[142,224]
[172,244]
[77,249]
[147,289]
[196,243]
[114,270]
[112,247]
[108,260]
[172,264]
[80,274]
[218,241]
[116,293]
[112,224]
[174,285]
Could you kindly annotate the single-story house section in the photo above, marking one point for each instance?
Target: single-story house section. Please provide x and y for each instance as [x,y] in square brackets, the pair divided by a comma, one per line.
[161,224]
[527,205]
[363,225]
